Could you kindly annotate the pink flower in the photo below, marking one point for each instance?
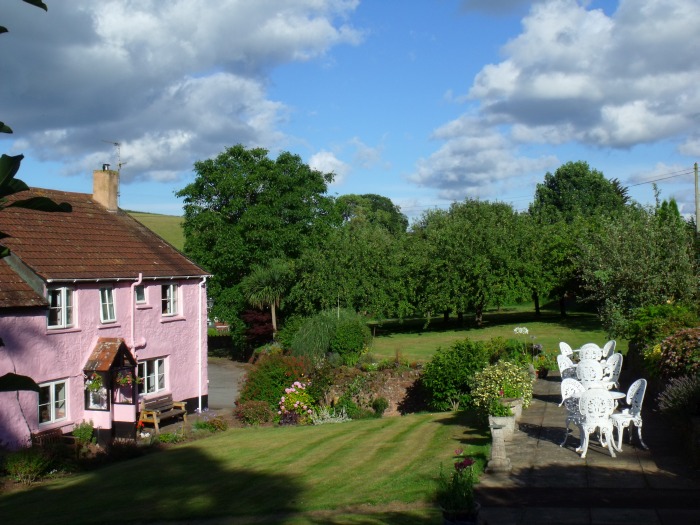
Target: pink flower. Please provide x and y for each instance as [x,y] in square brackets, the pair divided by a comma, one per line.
[458,452]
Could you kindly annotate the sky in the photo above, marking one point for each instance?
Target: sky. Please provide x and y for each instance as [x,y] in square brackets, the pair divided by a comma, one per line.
[426,102]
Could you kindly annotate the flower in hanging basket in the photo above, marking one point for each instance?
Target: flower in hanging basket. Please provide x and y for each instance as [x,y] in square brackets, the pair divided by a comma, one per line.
[93,382]
[127,378]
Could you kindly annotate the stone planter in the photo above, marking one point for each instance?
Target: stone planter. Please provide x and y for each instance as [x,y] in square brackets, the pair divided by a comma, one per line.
[508,424]
[515,404]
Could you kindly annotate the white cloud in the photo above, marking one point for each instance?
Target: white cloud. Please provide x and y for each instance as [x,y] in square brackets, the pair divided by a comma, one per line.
[173,81]
[327,162]
[574,74]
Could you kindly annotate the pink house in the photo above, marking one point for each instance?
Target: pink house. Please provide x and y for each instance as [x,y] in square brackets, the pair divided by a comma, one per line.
[102,313]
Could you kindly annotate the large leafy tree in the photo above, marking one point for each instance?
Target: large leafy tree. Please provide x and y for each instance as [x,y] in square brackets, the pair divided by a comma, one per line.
[374,209]
[577,190]
[472,257]
[642,257]
[357,266]
[245,208]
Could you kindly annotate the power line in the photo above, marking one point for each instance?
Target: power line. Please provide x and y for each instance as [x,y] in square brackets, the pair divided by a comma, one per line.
[671,175]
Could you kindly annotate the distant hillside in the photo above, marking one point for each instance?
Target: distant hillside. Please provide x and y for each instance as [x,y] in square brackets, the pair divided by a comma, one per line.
[167,226]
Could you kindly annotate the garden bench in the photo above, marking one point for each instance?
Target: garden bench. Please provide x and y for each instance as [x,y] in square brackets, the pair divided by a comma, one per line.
[53,438]
[155,409]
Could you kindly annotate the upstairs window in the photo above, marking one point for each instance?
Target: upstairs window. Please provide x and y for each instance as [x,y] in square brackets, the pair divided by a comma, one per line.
[52,402]
[169,299]
[152,372]
[60,308]
[107,314]
[140,292]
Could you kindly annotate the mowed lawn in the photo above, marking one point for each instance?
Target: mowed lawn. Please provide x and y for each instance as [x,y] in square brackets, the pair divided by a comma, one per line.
[370,471]
[415,342]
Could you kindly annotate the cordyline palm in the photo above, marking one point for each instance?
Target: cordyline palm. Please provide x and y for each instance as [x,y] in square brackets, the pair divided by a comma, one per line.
[265,285]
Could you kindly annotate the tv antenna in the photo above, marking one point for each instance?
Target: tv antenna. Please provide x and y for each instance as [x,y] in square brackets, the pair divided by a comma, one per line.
[118,147]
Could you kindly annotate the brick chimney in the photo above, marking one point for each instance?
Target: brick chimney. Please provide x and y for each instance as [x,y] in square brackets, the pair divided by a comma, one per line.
[105,188]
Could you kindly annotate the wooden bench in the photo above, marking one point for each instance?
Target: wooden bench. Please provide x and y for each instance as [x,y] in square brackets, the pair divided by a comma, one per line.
[54,438]
[155,409]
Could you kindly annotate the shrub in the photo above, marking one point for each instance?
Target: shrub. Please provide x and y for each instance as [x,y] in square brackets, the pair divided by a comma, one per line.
[379,405]
[270,376]
[83,434]
[27,465]
[297,400]
[170,437]
[253,412]
[651,325]
[352,337]
[504,379]
[449,374]
[341,332]
[681,396]
[211,424]
[323,415]
[680,354]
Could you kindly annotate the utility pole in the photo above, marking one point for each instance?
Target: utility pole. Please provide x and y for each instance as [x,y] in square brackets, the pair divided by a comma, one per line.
[697,201]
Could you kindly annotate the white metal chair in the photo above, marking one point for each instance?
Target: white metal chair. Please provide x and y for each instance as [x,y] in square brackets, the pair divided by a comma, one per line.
[612,369]
[590,351]
[609,348]
[589,372]
[567,368]
[596,407]
[571,391]
[633,414]
[566,349]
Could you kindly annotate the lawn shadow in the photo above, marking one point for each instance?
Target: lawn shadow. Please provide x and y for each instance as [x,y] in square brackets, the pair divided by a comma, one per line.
[178,484]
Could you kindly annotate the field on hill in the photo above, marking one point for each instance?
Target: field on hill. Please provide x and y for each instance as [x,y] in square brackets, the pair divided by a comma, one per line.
[169,227]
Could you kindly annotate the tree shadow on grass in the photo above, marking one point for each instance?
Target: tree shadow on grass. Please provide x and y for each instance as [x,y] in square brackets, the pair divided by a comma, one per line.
[179,484]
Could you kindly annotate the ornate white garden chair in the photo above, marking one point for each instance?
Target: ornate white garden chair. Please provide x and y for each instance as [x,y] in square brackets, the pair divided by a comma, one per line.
[567,368]
[589,372]
[590,351]
[566,349]
[571,391]
[609,348]
[612,369]
[596,407]
[633,414]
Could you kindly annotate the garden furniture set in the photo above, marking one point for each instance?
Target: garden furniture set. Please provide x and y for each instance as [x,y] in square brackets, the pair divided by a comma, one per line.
[591,403]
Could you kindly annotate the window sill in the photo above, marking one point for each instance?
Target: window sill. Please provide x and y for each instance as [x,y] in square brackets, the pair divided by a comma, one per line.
[143,306]
[172,319]
[104,326]
[71,329]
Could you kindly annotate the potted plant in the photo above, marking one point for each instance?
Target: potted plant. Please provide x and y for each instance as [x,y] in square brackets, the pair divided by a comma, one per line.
[455,493]
[543,362]
[502,415]
[506,381]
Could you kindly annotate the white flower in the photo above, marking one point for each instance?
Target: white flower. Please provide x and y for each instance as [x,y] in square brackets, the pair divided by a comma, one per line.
[522,330]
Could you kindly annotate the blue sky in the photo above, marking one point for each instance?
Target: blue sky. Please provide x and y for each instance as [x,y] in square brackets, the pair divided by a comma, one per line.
[425,102]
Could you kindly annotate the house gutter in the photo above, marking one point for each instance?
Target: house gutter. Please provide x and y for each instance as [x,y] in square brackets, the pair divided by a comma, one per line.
[133,312]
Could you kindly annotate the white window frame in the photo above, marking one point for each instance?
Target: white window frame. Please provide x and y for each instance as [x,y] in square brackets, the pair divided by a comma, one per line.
[152,371]
[107,310]
[57,401]
[169,300]
[140,289]
[62,307]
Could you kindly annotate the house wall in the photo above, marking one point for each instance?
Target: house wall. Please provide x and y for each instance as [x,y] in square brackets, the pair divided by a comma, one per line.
[47,355]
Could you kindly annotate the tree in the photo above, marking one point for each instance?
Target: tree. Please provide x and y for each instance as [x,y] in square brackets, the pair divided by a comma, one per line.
[374,209]
[472,254]
[265,285]
[244,208]
[575,189]
[643,257]
[356,266]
